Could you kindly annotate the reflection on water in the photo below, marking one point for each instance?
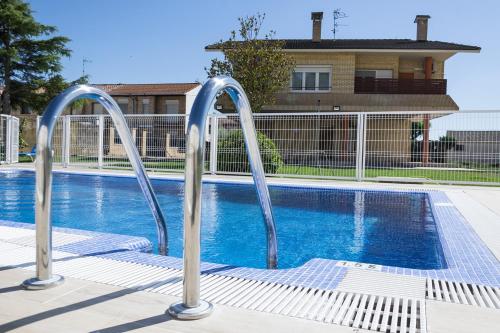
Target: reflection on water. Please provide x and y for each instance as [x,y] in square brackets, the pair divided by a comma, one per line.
[359,226]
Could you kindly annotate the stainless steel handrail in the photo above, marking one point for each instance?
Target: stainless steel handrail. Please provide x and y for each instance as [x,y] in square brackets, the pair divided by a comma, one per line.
[43,165]
[191,307]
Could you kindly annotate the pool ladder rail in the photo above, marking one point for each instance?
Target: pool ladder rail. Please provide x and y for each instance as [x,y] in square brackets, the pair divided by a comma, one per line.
[191,307]
[43,189]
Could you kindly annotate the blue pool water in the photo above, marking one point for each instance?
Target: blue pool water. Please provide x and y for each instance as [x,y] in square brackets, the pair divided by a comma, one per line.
[387,228]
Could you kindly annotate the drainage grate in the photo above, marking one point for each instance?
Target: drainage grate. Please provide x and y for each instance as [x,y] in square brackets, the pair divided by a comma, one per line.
[370,312]
[362,311]
[463,293]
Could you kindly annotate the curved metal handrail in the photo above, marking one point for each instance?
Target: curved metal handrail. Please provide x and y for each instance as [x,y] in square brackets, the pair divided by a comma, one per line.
[43,167]
[191,307]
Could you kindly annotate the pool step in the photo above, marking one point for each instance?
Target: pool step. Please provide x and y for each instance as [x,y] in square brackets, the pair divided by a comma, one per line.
[463,293]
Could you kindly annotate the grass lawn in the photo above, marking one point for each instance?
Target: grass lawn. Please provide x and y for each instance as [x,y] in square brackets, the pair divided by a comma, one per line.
[485,175]
[489,175]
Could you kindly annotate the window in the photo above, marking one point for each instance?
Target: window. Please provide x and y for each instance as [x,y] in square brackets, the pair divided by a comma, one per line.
[123,104]
[311,78]
[297,80]
[145,106]
[324,81]
[374,73]
[172,107]
[97,108]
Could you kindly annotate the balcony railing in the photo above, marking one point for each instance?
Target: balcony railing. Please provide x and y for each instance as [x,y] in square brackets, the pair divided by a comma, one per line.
[370,85]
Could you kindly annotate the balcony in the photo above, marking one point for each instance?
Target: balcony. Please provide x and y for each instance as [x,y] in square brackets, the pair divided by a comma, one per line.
[369,85]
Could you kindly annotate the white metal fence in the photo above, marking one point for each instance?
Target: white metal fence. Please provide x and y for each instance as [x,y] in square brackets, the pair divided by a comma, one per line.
[446,147]
[9,139]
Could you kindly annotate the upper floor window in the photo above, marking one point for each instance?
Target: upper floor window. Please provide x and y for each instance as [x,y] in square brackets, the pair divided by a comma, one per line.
[145,106]
[374,73]
[123,104]
[172,107]
[311,78]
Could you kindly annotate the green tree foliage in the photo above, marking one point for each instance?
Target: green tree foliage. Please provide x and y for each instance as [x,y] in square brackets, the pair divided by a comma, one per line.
[259,65]
[30,58]
[233,156]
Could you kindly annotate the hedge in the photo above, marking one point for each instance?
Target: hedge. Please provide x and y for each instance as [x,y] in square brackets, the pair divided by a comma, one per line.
[232,155]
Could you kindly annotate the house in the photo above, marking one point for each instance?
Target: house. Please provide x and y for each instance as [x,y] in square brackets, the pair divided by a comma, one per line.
[474,148]
[154,98]
[366,75]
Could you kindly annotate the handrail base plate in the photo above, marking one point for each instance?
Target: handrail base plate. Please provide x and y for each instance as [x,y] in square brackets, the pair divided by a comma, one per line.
[36,284]
[180,311]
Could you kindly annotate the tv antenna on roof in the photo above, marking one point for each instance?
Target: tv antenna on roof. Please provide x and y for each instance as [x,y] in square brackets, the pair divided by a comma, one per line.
[338,14]
[85,61]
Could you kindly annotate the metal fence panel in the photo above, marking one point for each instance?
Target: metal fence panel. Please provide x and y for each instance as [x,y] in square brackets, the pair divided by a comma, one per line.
[321,145]
[160,141]
[434,147]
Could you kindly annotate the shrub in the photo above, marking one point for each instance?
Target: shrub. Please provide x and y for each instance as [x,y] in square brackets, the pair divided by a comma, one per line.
[232,155]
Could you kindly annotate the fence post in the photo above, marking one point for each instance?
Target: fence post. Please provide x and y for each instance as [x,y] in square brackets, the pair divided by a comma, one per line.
[100,147]
[66,140]
[363,148]
[360,147]
[214,136]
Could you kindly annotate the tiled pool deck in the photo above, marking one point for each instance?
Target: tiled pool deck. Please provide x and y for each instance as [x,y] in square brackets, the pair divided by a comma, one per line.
[468,258]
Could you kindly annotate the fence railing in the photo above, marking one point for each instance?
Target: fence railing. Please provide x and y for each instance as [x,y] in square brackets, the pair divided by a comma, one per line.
[370,85]
[432,146]
[9,139]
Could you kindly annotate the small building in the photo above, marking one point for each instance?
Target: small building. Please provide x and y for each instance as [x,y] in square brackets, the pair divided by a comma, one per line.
[154,98]
[474,148]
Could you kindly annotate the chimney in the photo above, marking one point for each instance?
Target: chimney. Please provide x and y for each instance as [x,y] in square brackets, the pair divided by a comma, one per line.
[316,17]
[421,21]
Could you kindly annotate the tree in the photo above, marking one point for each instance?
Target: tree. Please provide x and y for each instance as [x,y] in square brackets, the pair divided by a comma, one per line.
[52,87]
[259,65]
[30,57]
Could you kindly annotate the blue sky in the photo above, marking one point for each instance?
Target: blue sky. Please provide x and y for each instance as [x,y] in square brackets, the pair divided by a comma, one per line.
[163,40]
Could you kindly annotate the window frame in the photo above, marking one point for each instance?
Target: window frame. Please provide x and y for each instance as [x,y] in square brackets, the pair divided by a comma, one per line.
[316,69]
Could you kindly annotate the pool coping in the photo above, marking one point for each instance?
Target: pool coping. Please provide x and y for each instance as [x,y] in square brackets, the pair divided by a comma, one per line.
[472,265]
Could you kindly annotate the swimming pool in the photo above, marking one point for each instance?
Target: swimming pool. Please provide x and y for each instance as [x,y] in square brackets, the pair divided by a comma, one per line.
[387,228]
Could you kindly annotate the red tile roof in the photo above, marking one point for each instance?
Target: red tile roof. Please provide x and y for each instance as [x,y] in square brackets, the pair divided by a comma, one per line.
[107,87]
[150,89]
